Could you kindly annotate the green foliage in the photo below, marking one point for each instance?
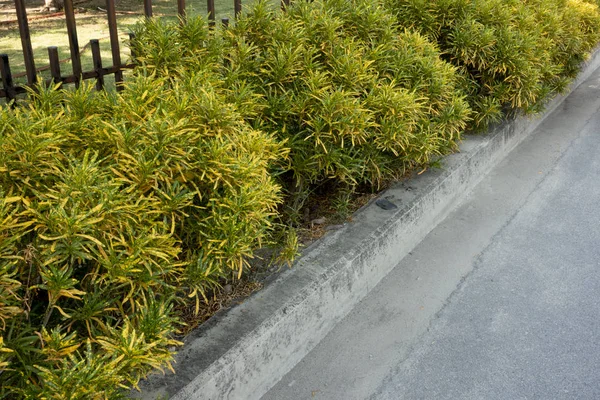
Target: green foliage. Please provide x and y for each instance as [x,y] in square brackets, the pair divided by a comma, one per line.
[113,209]
[289,247]
[513,53]
[175,48]
[355,98]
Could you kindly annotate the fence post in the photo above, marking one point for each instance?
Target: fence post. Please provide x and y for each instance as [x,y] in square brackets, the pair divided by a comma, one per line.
[148,8]
[26,41]
[133,54]
[114,42]
[54,64]
[97,60]
[73,41]
[226,58]
[181,9]
[210,7]
[237,7]
[7,80]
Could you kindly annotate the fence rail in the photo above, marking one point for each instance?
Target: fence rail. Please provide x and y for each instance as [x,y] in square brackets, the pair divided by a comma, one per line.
[10,90]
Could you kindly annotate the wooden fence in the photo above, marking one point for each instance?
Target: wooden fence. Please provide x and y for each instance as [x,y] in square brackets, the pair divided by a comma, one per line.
[9,90]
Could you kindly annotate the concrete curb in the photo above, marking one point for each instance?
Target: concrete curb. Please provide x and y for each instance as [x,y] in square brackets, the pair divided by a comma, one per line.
[244,352]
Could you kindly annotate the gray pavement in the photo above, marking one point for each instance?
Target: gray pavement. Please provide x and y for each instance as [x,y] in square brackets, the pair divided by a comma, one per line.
[500,301]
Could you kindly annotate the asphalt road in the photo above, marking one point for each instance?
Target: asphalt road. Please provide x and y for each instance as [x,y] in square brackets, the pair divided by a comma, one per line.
[500,301]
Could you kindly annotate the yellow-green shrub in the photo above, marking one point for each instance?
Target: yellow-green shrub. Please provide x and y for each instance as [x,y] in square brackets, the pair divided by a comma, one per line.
[356,98]
[514,53]
[113,209]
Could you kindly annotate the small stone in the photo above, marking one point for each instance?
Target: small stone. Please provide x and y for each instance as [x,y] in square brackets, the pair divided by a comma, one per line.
[318,221]
[385,204]
[227,289]
[334,227]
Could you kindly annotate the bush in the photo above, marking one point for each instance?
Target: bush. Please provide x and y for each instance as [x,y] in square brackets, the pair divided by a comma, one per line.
[114,210]
[514,53]
[355,98]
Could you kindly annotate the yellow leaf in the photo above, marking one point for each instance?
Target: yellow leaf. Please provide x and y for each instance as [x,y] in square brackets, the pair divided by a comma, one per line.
[88,237]
[71,293]
[52,238]
[68,350]
[13,199]
[240,268]
[60,310]
[97,208]
[101,250]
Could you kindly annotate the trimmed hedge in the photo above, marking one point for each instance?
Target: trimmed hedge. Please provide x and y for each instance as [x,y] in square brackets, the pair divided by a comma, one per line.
[118,210]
